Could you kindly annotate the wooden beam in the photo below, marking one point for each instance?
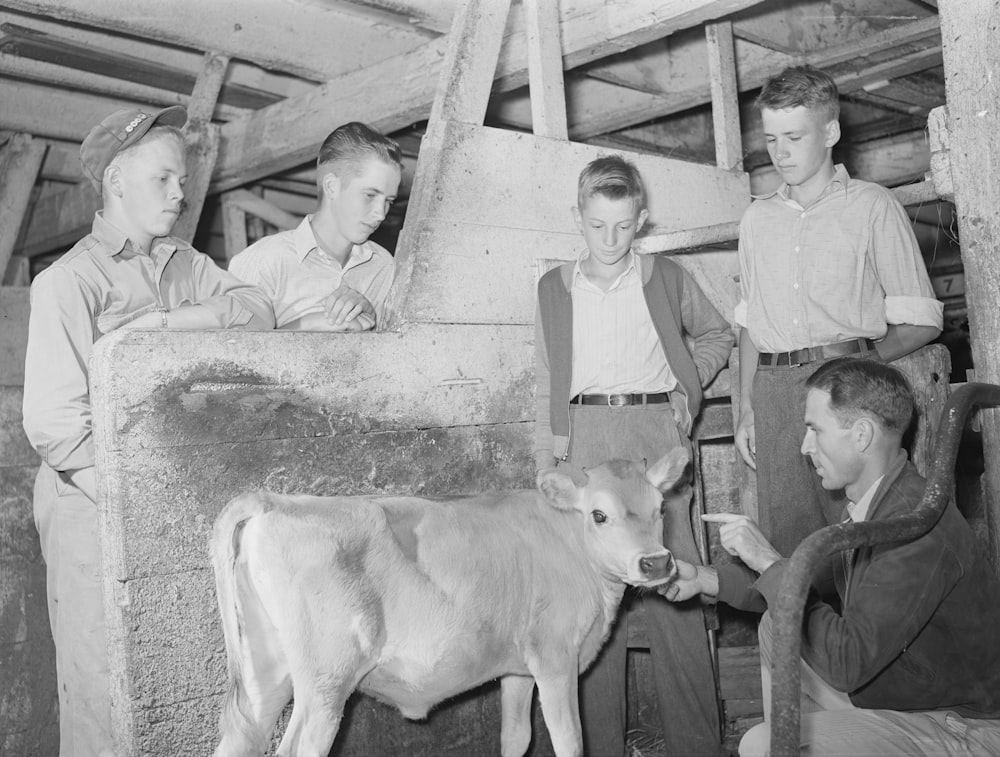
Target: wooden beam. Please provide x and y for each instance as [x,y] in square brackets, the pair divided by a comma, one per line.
[972,62]
[234,224]
[45,112]
[688,240]
[470,61]
[60,220]
[598,108]
[19,164]
[545,73]
[202,142]
[286,134]
[260,32]
[248,202]
[85,81]
[430,15]
[725,95]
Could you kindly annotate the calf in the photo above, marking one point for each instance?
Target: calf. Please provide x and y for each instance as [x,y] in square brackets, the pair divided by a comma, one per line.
[415,600]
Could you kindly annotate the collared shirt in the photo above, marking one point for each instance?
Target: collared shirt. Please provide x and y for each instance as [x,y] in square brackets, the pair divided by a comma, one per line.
[297,275]
[845,267]
[99,285]
[858,511]
[615,346]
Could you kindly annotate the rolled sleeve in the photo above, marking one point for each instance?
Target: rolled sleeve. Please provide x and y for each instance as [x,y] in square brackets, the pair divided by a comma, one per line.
[56,410]
[916,311]
[236,304]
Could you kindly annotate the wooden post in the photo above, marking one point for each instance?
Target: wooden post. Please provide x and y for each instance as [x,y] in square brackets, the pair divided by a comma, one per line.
[969,32]
[19,166]
[257,206]
[545,69]
[234,225]
[462,94]
[725,95]
[202,142]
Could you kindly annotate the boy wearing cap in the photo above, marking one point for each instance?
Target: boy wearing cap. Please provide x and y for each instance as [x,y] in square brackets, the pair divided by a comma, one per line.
[127,273]
[326,275]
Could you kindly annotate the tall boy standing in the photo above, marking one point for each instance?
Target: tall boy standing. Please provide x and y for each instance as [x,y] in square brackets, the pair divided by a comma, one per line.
[615,379]
[829,266]
[326,275]
[127,273]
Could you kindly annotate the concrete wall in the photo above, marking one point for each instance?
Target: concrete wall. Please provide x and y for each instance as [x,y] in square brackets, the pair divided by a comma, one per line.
[443,404]
[28,705]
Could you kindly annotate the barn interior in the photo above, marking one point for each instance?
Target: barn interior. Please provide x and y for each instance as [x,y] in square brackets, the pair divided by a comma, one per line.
[496,105]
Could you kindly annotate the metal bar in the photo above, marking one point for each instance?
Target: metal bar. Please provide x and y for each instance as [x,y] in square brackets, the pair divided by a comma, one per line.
[816,548]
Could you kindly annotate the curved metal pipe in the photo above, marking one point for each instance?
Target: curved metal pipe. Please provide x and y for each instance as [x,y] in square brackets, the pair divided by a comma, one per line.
[787,616]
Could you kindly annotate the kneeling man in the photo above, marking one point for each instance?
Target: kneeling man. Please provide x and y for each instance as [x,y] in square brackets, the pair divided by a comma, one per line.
[904,660]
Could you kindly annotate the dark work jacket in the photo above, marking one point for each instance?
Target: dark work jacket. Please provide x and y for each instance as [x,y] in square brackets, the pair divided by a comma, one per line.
[920,624]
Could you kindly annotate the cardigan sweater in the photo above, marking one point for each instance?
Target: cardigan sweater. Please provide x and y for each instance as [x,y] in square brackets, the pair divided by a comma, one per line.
[681,314]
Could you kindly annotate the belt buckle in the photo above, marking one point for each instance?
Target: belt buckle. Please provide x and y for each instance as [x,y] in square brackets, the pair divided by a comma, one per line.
[617,400]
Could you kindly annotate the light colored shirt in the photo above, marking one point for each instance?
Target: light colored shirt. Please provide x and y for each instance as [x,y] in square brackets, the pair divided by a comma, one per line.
[96,287]
[297,275]
[845,267]
[858,511]
[615,346]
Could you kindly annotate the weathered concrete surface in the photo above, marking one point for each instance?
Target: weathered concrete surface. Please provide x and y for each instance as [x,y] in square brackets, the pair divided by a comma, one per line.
[184,422]
[13,334]
[28,706]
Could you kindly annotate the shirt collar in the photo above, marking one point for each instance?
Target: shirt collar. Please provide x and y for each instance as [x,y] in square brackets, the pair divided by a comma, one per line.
[841,178]
[113,240]
[304,239]
[859,510]
[578,271]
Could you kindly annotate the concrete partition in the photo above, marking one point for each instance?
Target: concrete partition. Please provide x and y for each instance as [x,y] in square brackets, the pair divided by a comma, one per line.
[442,404]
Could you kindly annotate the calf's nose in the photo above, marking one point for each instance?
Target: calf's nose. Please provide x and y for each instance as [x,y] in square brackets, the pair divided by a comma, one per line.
[655,567]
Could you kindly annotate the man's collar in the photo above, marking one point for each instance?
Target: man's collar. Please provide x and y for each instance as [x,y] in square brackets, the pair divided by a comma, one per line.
[578,269]
[840,178]
[113,240]
[304,239]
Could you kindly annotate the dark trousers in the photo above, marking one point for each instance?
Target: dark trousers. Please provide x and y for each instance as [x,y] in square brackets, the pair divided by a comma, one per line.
[792,502]
[678,642]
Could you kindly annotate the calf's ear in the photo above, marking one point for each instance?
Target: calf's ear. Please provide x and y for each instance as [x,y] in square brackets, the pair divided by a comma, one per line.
[669,469]
[558,488]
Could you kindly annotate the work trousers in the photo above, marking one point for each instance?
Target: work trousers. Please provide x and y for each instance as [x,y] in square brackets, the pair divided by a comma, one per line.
[791,500]
[678,642]
[833,727]
[67,526]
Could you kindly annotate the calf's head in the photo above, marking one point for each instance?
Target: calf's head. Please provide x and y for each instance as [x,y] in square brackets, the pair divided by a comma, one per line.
[622,504]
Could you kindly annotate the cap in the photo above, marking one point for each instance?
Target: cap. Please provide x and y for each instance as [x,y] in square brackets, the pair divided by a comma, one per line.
[121,129]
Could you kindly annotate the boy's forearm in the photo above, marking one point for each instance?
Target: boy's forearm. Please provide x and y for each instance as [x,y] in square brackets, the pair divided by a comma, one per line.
[748,369]
[904,338]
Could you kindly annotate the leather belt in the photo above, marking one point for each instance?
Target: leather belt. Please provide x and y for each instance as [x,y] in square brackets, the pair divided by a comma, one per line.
[619,400]
[812,354]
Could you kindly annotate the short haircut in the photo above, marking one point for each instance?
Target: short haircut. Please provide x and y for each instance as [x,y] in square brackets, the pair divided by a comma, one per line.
[801,86]
[860,387]
[614,177]
[347,147]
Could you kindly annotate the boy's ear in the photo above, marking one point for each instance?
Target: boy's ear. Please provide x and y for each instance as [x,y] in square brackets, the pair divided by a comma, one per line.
[330,184]
[832,133]
[113,179]
[643,215]
[578,218]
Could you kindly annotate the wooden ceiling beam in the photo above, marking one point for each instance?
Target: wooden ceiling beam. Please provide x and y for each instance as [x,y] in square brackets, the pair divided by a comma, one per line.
[427,15]
[268,34]
[596,107]
[287,133]
[52,74]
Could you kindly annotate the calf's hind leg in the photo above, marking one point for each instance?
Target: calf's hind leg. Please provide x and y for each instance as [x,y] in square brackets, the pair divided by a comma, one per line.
[515,714]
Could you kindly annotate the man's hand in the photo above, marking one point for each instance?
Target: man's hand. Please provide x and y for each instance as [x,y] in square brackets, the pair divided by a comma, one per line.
[741,537]
[345,304]
[688,583]
[362,323]
[746,438]
[152,320]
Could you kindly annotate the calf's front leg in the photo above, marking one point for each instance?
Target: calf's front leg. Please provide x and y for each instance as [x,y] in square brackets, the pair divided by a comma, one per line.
[515,714]
[561,709]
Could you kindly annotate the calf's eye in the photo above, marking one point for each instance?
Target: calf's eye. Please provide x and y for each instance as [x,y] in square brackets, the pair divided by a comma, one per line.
[598,516]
